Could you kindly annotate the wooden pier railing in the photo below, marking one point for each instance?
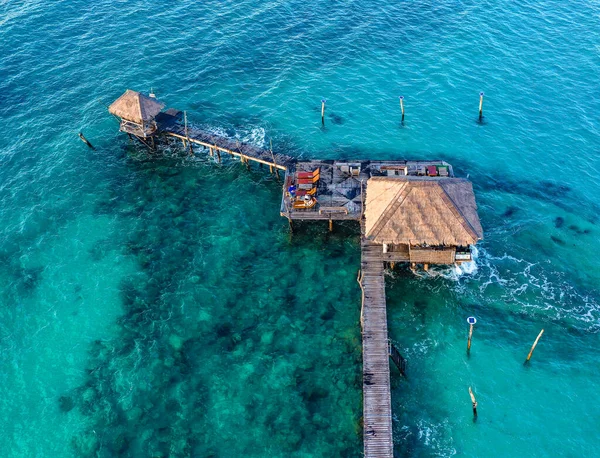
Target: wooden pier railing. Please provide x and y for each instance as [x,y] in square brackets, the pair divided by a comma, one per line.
[169,124]
[377,406]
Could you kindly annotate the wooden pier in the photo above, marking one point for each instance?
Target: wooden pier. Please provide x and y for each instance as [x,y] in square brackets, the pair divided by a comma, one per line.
[169,124]
[377,405]
[409,211]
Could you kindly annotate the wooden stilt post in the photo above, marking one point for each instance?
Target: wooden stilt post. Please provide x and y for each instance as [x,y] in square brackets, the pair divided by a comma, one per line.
[274,161]
[323,111]
[402,107]
[330,225]
[474,401]
[185,124]
[480,105]
[218,154]
[186,133]
[533,346]
[85,140]
[471,320]
[425,267]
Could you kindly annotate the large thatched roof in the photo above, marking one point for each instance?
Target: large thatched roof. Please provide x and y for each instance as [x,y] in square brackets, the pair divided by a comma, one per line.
[136,107]
[417,211]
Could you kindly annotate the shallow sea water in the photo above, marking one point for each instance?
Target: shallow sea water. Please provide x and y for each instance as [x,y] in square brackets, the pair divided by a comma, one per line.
[158,306]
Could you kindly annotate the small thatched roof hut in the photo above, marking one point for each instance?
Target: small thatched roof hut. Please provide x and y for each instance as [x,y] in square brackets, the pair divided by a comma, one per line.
[135,107]
[420,211]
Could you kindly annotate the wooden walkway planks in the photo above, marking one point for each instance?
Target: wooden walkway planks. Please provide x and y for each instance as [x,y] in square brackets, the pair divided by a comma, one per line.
[377,407]
[169,125]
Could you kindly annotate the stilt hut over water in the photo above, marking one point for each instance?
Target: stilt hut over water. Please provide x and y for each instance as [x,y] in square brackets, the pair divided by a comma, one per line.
[425,219]
[137,113]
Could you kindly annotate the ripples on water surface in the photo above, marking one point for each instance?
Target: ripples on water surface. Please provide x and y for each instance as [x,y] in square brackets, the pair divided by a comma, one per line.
[158,306]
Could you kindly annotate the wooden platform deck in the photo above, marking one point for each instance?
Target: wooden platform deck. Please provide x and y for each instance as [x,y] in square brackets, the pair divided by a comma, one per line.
[169,123]
[341,186]
[377,408]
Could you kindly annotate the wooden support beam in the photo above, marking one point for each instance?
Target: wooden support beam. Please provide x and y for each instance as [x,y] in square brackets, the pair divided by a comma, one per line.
[228,151]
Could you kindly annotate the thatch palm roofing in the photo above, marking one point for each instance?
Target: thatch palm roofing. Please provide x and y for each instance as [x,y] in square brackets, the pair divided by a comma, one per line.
[421,211]
[135,107]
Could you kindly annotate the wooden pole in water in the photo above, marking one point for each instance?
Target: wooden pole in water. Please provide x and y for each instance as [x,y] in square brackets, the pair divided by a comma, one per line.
[274,161]
[533,346]
[186,133]
[85,140]
[185,124]
[330,225]
[402,106]
[470,336]
[480,105]
[471,320]
[474,401]
[323,111]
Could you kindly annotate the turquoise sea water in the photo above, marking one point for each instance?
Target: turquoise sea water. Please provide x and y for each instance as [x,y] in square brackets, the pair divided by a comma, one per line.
[158,306]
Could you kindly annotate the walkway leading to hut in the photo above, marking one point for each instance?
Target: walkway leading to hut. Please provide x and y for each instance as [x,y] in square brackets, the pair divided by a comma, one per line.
[377,405]
[415,211]
[168,123]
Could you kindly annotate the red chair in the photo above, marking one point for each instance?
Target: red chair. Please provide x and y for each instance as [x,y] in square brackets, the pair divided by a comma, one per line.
[432,171]
[303,175]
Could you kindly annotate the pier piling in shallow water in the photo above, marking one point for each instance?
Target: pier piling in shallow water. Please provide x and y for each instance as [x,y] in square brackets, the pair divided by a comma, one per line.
[471,320]
[474,402]
[402,107]
[323,111]
[480,106]
[85,140]
[534,345]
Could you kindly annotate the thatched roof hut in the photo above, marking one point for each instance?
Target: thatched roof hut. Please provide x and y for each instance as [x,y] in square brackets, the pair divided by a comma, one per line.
[419,211]
[135,107]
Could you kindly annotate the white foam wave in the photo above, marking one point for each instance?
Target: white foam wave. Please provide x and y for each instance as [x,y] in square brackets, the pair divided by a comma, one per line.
[252,135]
[534,286]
